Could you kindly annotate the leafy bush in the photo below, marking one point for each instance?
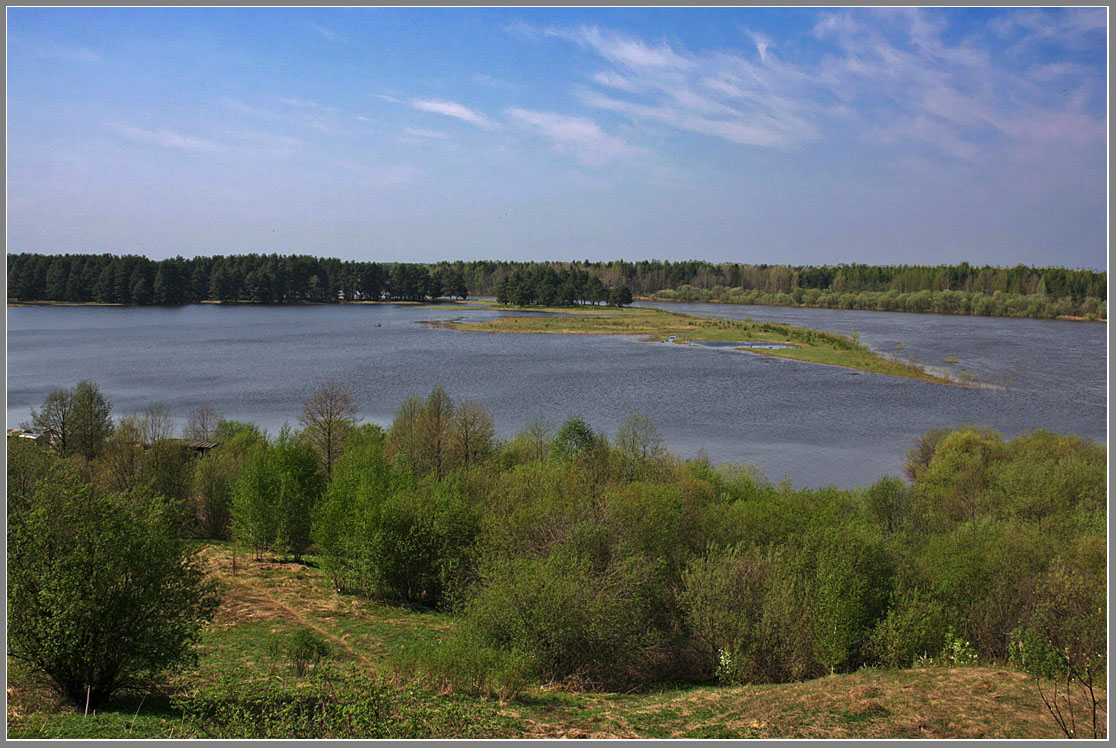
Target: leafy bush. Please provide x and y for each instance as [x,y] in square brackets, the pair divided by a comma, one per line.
[462,663]
[852,583]
[604,627]
[915,626]
[750,617]
[303,649]
[102,593]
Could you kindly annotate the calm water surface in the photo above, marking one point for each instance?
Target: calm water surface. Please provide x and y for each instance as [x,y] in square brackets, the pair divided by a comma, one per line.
[818,425]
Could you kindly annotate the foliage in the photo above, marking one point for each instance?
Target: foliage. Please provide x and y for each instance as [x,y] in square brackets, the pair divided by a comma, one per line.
[851,586]
[303,649]
[1063,641]
[275,495]
[916,626]
[574,439]
[102,593]
[74,421]
[349,705]
[749,613]
[590,626]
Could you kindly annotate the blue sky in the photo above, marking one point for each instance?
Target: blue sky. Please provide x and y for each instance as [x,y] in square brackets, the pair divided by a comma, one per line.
[802,136]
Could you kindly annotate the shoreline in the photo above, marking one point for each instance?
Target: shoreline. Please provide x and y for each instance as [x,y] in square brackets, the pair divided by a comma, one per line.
[1061,318]
[486,304]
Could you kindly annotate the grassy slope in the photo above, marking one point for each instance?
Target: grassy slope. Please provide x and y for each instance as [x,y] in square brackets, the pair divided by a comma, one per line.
[272,596]
[812,346]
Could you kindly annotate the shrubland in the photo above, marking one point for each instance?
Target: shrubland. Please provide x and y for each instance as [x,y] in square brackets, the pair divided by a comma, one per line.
[566,557]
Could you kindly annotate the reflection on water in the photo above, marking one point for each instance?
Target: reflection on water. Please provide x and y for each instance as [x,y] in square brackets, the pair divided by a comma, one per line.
[816,424]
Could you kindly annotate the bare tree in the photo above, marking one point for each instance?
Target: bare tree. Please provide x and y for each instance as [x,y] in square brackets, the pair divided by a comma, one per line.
[434,426]
[640,445]
[471,434]
[156,423]
[539,433]
[327,417]
[202,423]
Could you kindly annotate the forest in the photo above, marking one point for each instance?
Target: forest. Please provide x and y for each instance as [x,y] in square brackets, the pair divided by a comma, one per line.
[562,555]
[1019,291]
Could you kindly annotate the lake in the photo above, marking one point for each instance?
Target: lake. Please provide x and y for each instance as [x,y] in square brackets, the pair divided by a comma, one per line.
[817,425]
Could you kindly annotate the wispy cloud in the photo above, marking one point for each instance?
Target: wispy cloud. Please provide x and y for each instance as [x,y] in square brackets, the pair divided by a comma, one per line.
[455,110]
[328,34]
[575,136]
[904,72]
[242,107]
[897,72]
[168,139]
[625,50]
[304,104]
[497,83]
[420,133]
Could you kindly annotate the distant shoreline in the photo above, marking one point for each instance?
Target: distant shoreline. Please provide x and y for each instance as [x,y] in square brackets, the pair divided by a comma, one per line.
[454,302]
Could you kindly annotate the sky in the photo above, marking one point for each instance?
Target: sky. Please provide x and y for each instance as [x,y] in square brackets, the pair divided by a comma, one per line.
[781,135]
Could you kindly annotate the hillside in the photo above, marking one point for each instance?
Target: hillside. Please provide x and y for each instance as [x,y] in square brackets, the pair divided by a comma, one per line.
[265,598]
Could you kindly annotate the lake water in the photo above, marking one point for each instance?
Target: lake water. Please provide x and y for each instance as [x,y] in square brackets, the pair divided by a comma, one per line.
[815,424]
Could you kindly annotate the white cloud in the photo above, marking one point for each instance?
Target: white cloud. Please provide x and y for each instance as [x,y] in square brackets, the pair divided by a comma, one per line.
[453,109]
[303,104]
[420,133]
[167,139]
[624,50]
[614,80]
[497,83]
[577,137]
[328,34]
[894,71]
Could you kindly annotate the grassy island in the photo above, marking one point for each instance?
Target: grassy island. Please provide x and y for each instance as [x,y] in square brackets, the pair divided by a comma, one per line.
[813,346]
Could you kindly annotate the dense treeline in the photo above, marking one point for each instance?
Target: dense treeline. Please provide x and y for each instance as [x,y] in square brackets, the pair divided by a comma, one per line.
[1019,291]
[568,555]
[269,279]
[648,276]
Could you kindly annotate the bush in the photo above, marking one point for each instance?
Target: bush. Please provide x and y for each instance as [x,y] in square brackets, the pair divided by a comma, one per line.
[915,626]
[419,544]
[302,648]
[591,627]
[102,594]
[464,664]
[749,615]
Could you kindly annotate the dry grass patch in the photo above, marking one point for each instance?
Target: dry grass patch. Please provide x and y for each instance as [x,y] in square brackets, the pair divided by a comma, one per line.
[944,704]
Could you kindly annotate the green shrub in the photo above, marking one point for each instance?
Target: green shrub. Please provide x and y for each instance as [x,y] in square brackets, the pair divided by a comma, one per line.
[464,664]
[749,614]
[595,627]
[333,705]
[852,583]
[915,626]
[303,649]
[419,544]
[102,593]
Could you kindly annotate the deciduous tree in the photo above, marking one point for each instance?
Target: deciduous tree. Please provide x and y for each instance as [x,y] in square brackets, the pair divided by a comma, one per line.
[327,418]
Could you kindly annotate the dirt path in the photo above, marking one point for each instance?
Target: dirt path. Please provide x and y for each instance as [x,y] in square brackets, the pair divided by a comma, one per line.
[246,600]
